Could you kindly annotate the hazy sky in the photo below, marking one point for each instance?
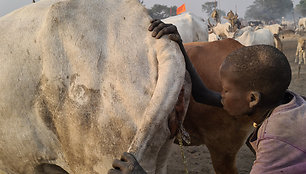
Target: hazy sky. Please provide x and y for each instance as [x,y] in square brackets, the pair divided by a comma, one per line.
[193,6]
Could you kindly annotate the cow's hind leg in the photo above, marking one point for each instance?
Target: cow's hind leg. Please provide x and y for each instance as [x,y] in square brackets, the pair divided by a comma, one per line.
[224,145]
[223,161]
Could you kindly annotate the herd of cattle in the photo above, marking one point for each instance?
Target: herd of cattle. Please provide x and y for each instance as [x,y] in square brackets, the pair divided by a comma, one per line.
[193,29]
[83,81]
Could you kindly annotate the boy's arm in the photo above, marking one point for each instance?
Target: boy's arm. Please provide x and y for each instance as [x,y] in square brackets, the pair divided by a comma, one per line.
[200,93]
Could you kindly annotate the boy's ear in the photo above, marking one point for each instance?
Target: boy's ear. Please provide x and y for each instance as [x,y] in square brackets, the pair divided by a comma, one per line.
[254,98]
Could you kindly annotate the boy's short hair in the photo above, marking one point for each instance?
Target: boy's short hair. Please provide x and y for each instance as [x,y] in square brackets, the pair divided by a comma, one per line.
[261,68]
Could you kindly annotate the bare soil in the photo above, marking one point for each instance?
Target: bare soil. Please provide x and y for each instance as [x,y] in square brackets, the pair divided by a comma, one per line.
[198,157]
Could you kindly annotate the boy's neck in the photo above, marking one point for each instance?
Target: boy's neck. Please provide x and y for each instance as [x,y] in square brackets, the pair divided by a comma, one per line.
[263,112]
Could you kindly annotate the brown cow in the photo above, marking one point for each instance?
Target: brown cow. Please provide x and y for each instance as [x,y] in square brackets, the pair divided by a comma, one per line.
[221,133]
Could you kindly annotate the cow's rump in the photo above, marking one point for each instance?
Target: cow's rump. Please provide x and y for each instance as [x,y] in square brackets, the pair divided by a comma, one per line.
[81,82]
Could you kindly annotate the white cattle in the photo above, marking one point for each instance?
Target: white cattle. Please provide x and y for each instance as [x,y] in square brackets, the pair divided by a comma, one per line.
[213,37]
[223,30]
[81,82]
[300,55]
[239,32]
[302,24]
[288,25]
[275,28]
[190,27]
[261,36]
[247,36]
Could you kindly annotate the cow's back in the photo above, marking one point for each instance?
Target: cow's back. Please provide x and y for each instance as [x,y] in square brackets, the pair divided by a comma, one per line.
[190,27]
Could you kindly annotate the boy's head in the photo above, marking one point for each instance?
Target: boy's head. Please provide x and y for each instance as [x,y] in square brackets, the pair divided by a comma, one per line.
[252,77]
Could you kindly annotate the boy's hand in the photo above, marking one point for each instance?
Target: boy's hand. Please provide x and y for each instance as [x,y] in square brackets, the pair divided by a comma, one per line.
[127,165]
[159,29]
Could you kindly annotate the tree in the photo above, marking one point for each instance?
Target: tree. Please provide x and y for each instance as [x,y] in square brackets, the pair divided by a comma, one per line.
[162,11]
[208,7]
[269,10]
[301,7]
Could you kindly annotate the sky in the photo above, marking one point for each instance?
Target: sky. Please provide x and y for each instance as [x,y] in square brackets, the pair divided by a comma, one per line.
[194,6]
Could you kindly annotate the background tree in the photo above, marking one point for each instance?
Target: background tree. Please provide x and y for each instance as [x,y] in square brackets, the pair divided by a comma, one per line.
[269,10]
[162,11]
[208,8]
[301,7]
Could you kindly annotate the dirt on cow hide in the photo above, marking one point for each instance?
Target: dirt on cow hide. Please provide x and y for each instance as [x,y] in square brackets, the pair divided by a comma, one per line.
[198,157]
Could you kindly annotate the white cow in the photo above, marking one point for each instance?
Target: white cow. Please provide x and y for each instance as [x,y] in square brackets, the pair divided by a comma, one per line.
[247,36]
[275,28]
[302,24]
[190,27]
[81,82]
[223,30]
[239,32]
[213,37]
[261,36]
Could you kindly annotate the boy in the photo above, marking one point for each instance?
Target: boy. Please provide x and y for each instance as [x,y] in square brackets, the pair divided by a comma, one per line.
[255,80]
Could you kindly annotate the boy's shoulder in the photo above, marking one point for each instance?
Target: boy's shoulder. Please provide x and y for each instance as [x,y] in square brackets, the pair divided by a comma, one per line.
[287,123]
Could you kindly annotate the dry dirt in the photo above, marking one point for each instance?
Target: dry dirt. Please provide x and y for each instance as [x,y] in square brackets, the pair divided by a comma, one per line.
[198,158]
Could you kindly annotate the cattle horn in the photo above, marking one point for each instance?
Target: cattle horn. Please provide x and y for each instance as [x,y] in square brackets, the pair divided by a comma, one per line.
[209,24]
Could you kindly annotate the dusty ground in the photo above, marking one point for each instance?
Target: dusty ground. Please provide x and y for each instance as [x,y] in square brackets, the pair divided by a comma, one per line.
[198,158]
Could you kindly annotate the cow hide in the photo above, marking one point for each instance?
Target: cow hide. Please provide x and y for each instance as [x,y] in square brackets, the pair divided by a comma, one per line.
[81,82]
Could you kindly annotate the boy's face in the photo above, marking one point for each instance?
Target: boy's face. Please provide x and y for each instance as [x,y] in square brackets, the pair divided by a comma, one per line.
[234,98]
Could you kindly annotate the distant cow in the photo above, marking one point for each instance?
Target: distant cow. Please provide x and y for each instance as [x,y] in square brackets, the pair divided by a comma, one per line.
[190,27]
[300,54]
[302,24]
[223,30]
[261,36]
[275,30]
[81,82]
[246,36]
[221,133]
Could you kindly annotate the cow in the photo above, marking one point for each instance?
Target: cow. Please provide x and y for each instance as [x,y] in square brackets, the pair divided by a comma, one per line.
[300,54]
[246,36]
[260,36]
[190,27]
[77,91]
[213,37]
[221,133]
[275,30]
[300,51]
[302,24]
[223,30]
